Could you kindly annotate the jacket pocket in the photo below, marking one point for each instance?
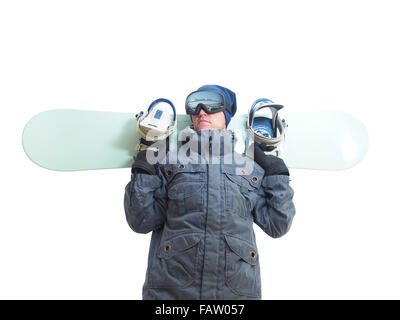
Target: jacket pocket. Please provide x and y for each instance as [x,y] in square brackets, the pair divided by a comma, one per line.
[186,197]
[242,269]
[241,191]
[176,262]
[186,184]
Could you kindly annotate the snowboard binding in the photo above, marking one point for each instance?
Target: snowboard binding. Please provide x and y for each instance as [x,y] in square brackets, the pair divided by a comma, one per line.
[267,131]
[156,124]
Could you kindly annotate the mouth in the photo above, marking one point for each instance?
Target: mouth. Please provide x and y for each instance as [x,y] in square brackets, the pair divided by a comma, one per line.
[204,120]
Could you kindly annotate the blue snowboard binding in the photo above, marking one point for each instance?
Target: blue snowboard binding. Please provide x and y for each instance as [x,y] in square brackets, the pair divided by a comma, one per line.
[269,132]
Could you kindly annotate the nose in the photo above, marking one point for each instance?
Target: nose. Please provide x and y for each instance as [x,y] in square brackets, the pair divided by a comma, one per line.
[202,112]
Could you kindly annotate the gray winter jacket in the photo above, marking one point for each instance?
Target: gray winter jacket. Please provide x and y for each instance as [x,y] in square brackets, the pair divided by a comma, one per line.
[201,216]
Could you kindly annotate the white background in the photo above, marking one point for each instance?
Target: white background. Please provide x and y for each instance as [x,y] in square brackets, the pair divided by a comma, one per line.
[64,235]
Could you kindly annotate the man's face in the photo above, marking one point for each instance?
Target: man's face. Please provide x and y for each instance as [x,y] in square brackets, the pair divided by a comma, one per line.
[203,120]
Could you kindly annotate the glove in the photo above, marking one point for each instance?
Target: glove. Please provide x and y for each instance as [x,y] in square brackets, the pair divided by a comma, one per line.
[141,164]
[272,165]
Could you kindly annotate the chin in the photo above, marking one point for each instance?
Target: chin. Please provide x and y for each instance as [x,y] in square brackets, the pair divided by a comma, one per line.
[205,126]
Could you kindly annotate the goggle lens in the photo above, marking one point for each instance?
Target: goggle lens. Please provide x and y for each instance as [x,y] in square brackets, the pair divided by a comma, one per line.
[211,101]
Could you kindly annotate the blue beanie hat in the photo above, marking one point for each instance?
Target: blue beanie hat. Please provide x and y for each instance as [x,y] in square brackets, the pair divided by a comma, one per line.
[230,100]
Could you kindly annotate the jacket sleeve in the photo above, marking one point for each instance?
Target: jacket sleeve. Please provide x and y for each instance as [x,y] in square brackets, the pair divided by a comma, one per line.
[145,202]
[274,209]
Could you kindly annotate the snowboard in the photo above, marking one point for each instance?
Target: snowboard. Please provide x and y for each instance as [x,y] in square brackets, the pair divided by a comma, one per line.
[70,139]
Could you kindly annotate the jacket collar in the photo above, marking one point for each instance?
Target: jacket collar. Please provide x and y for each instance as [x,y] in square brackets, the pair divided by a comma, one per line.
[210,141]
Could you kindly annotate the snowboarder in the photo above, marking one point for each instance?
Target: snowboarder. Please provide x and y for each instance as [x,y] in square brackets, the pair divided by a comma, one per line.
[201,211]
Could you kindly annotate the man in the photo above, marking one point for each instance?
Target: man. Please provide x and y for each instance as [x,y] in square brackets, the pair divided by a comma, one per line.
[201,208]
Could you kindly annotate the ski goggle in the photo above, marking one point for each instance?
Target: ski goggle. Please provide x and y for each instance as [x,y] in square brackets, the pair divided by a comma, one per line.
[210,101]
